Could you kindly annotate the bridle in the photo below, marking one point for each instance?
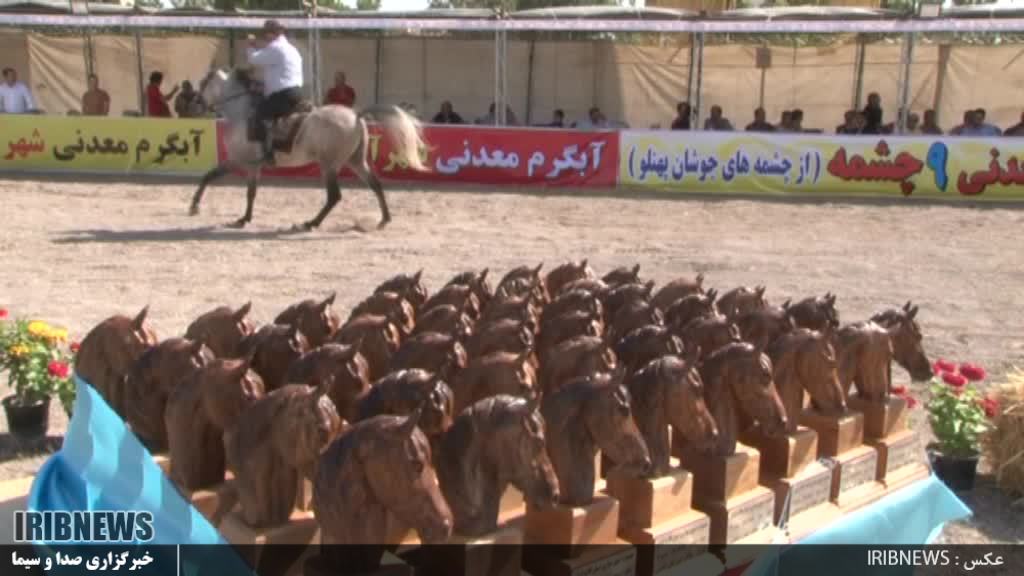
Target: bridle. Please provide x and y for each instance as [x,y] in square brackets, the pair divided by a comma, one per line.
[215,106]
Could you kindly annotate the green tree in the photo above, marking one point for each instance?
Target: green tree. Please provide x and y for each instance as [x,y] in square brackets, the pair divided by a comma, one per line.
[367,4]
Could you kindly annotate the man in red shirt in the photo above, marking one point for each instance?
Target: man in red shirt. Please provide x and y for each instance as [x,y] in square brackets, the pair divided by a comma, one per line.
[341,93]
[156,102]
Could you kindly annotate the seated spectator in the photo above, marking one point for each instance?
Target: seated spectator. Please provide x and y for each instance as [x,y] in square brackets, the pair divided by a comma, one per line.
[156,101]
[557,120]
[595,120]
[913,124]
[957,130]
[796,120]
[785,121]
[717,122]
[683,114]
[341,94]
[988,129]
[848,125]
[14,96]
[447,115]
[189,104]
[491,120]
[930,124]
[974,125]
[95,101]
[873,114]
[760,124]
[1017,129]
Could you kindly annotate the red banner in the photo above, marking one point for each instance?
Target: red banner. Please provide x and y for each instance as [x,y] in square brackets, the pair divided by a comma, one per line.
[509,156]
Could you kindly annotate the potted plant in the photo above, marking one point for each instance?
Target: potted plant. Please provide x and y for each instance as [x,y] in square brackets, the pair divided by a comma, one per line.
[959,416]
[37,362]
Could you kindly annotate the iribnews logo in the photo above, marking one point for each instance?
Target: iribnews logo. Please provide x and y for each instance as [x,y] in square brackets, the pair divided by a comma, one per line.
[908,558]
[83,526]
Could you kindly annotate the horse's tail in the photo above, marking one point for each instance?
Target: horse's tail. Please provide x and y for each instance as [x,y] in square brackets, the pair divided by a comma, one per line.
[405,131]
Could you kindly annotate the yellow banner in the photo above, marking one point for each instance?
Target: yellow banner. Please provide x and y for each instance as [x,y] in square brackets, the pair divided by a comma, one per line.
[105,145]
[939,166]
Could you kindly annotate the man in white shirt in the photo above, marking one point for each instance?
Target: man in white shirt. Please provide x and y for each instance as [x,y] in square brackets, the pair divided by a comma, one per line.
[14,96]
[282,80]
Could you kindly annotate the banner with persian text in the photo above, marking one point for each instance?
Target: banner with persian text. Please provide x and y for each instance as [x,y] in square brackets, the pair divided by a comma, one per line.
[749,163]
[107,145]
[499,156]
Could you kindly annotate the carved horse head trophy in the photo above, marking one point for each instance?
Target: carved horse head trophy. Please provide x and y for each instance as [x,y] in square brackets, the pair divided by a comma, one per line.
[865,354]
[739,390]
[667,392]
[906,340]
[583,416]
[407,286]
[373,484]
[804,361]
[405,391]
[497,441]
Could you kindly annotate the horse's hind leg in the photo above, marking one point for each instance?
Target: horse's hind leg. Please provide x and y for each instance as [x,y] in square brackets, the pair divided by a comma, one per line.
[333,197]
[213,175]
[362,170]
[250,201]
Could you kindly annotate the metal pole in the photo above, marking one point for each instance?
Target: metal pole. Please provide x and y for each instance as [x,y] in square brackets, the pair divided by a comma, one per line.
[700,81]
[529,85]
[760,98]
[141,82]
[376,72]
[908,58]
[940,77]
[504,78]
[691,72]
[497,74]
[858,72]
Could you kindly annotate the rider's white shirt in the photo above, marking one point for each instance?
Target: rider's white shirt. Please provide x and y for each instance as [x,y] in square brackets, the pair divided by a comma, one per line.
[281,64]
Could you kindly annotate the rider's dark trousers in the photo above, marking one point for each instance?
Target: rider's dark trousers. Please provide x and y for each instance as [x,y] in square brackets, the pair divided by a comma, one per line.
[275,106]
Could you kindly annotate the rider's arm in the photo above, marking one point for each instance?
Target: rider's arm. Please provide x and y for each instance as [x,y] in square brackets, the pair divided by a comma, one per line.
[260,56]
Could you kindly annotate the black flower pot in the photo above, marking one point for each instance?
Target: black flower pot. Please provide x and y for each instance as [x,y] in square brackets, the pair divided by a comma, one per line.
[27,422]
[957,472]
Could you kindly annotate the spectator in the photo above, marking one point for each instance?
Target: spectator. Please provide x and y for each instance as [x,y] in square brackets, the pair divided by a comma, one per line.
[873,114]
[796,120]
[557,120]
[974,125]
[957,130]
[717,122]
[14,96]
[849,123]
[341,93]
[1017,129]
[930,125]
[447,115]
[785,121]
[595,120]
[760,124]
[490,120]
[189,104]
[95,101]
[913,124]
[683,114]
[986,128]
[156,102]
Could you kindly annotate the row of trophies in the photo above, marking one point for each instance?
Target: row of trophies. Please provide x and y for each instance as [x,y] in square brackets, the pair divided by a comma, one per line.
[610,422]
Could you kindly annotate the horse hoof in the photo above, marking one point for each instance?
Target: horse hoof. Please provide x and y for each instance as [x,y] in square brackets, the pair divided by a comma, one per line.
[238,224]
[306,227]
[193,210]
[384,222]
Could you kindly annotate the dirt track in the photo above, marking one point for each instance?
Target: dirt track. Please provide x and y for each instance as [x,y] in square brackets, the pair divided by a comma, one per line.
[77,253]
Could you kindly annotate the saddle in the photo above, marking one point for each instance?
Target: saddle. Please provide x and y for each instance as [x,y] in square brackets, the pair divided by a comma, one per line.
[286,128]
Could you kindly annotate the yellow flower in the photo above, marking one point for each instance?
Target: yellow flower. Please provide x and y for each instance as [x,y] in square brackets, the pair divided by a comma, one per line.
[57,335]
[39,328]
[18,350]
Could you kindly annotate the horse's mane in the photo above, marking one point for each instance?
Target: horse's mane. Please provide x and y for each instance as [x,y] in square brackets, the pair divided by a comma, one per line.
[396,386]
[638,335]
[571,397]
[256,425]
[715,364]
[645,385]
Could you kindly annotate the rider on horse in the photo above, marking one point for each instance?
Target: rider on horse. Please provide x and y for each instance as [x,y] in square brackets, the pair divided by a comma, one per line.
[282,81]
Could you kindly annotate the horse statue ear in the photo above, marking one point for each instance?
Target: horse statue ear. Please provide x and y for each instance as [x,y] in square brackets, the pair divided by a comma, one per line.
[325,385]
[649,288]
[636,271]
[140,318]
[483,275]
[354,347]
[786,304]
[536,271]
[417,276]
[906,307]
[242,312]
[712,294]
[329,301]
[583,263]
[409,426]
[700,281]
[912,312]
[196,346]
[760,290]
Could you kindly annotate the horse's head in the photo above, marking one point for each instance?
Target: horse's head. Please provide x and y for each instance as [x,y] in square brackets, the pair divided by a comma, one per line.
[819,368]
[223,329]
[229,387]
[213,86]
[398,467]
[623,275]
[762,327]
[689,308]
[522,446]
[816,313]
[315,423]
[906,340]
[753,386]
[684,400]
[438,408]
[569,272]
[409,287]
[609,416]
[477,282]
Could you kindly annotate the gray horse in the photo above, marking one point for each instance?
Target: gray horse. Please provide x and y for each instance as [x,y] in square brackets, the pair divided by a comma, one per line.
[332,136]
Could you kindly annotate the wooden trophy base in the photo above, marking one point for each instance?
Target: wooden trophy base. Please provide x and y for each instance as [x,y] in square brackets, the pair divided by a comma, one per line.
[881,419]
[644,503]
[301,528]
[512,506]
[390,565]
[304,494]
[716,478]
[736,520]
[808,489]
[571,527]
[207,501]
[618,559]
[496,554]
[899,461]
[836,434]
[670,544]
[783,456]
[854,482]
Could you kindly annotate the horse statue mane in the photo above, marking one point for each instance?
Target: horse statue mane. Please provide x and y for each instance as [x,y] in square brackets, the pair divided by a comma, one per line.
[906,340]
[865,351]
[482,453]
[805,360]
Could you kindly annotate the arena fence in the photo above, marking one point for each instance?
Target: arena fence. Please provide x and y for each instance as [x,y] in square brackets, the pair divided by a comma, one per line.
[703,162]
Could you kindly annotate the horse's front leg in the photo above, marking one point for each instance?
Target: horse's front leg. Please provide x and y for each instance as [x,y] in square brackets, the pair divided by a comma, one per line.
[333,197]
[250,200]
[210,177]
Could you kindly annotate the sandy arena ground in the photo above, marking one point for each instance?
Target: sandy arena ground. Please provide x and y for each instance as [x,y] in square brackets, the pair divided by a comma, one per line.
[76,253]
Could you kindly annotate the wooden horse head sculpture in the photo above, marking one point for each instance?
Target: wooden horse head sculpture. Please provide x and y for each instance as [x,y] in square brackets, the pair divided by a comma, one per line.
[804,360]
[763,326]
[497,374]
[404,391]
[376,338]
[865,352]
[667,392]
[497,441]
[741,300]
[407,286]
[379,471]
[523,277]
[273,348]
[625,296]
[583,416]
[318,320]
[816,313]
[108,353]
[279,440]
[477,282]
[645,344]
[151,381]
[709,333]
[622,275]
[739,390]
[906,340]
[566,303]
[690,308]
[342,365]
[223,329]
[392,306]
[567,273]
[461,296]
[677,289]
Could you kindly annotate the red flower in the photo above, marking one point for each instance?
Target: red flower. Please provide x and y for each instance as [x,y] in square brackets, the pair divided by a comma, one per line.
[972,372]
[75,347]
[953,379]
[942,366]
[3,312]
[899,390]
[58,369]
[911,402]
[991,406]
